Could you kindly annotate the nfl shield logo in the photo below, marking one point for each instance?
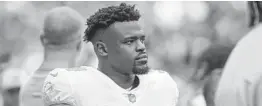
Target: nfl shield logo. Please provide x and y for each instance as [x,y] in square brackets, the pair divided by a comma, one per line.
[132,98]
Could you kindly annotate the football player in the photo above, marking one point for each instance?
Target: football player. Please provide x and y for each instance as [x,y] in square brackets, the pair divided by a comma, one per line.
[122,78]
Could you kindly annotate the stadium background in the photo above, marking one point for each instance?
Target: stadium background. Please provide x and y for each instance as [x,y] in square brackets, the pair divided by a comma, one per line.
[177,33]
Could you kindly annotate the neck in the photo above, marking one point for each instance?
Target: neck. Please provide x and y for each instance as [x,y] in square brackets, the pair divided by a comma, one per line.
[54,58]
[123,80]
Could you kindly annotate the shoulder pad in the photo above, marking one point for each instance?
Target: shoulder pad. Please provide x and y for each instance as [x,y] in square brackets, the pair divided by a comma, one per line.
[77,69]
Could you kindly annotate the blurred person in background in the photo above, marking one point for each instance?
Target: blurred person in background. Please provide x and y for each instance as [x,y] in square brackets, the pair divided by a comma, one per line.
[61,39]
[241,81]
[210,66]
[123,77]
[20,36]
[10,86]
[87,56]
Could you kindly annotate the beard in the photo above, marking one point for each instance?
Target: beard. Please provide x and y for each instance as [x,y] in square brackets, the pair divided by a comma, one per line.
[140,70]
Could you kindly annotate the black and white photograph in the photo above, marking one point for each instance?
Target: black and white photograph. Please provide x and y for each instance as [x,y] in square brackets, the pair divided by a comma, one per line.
[130,53]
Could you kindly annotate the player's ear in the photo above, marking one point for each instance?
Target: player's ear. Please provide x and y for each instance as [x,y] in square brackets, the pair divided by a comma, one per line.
[101,48]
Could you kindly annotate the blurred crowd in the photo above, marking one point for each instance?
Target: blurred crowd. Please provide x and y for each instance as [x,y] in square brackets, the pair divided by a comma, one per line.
[180,36]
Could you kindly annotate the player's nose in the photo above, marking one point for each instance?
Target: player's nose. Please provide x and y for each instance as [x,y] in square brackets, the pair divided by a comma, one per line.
[140,46]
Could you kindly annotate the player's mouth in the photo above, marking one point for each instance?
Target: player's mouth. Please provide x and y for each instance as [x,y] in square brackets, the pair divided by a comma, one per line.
[142,59]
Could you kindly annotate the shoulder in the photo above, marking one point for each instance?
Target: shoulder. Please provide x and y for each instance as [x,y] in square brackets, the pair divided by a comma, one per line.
[57,74]
[81,68]
[163,79]
[246,57]
[57,78]
[250,41]
[252,34]
[246,54]
[65,72]
[64,76]
[57,88]
[160,75]
[165,82]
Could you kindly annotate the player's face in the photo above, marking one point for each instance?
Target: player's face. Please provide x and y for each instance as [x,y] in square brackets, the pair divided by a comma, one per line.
[127,49]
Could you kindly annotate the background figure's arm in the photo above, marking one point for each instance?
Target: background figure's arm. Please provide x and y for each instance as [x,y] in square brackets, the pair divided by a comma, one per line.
[57,89]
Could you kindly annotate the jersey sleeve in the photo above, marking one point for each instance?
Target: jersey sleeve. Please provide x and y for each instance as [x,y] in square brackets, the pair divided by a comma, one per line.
[57,89]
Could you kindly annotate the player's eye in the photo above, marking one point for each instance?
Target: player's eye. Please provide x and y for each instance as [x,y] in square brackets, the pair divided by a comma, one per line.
[129,42]
[142,40]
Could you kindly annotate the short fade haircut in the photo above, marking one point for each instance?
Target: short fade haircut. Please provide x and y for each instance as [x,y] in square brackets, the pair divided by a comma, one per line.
[215,56]
[61,23]
[107,16]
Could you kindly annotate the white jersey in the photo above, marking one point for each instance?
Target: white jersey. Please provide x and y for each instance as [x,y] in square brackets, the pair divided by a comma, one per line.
[86,86]
[242,72]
